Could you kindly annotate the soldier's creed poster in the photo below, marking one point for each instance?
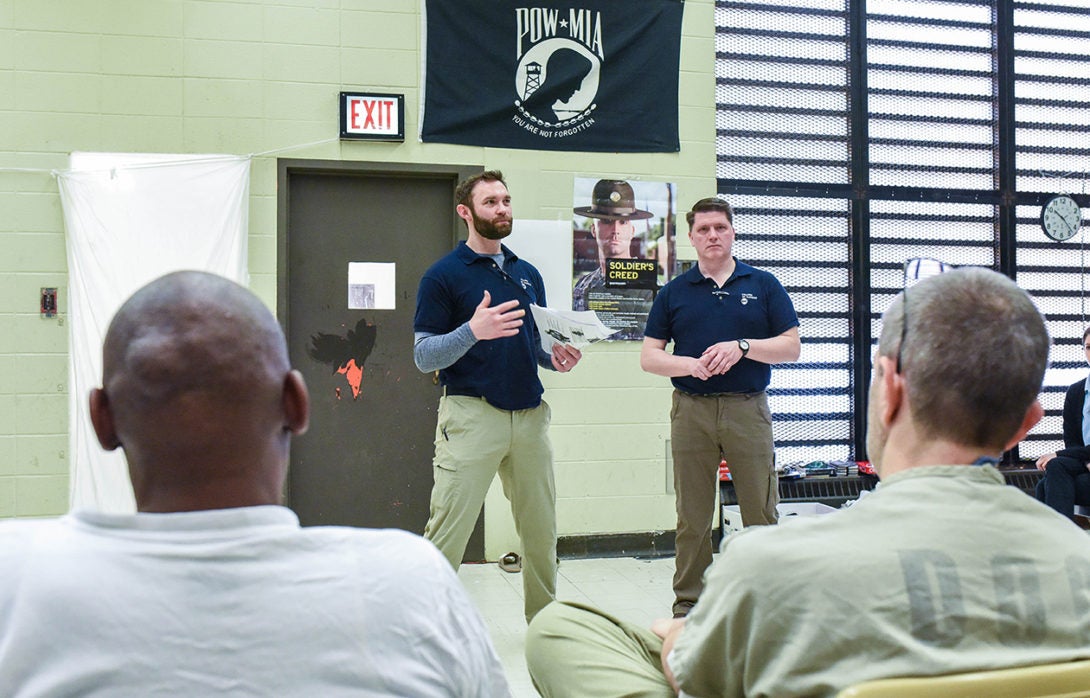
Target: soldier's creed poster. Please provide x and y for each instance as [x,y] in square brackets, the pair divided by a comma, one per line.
[584,76]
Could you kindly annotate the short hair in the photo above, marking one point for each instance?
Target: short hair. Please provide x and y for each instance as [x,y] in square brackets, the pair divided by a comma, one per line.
[463,195]
[974,355]
[712,204]
[192,333]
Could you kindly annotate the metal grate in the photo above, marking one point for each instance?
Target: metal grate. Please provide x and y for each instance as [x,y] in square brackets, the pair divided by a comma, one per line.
[1052,141]
[851,137]
[811,399]
[954,233]
[931,91]
[781,91]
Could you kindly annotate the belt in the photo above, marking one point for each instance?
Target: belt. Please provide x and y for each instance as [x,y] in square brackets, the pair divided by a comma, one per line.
[741,394]
[464,392]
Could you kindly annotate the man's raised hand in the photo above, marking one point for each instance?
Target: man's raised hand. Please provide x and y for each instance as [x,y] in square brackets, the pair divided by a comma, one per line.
[502,320]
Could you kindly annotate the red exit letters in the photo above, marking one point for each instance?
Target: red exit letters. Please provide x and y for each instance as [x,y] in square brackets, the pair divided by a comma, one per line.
[372,116]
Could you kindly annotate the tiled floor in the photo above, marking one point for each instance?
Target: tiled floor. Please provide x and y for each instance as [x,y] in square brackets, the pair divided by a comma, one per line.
[636,590]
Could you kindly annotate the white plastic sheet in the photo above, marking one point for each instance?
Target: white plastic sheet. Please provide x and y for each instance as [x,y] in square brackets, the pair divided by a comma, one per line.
[131,218]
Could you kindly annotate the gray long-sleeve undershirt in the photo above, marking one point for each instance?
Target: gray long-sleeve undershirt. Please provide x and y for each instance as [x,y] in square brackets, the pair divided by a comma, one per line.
[433,352]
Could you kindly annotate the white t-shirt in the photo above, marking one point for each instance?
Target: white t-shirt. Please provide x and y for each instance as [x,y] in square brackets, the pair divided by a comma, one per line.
[233,602]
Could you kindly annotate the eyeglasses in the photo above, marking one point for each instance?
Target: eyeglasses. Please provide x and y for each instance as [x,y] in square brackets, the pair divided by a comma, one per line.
[915,270]
[904,327]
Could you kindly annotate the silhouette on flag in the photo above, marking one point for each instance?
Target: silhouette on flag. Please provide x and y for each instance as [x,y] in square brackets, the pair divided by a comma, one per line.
[589,76]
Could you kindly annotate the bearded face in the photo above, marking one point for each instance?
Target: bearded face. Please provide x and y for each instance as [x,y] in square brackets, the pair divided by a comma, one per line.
[496,228]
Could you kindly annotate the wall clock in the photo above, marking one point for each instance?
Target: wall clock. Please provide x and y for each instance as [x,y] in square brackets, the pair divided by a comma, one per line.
[1061,217]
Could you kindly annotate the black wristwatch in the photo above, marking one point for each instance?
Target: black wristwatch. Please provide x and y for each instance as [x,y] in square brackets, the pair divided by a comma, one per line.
[744,346]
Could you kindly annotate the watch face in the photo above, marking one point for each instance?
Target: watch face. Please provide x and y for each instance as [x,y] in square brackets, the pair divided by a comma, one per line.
[1061,218]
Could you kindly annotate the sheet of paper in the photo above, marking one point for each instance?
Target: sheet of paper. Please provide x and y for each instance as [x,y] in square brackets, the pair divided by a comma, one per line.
[546,245]
[371,286]
[574,327]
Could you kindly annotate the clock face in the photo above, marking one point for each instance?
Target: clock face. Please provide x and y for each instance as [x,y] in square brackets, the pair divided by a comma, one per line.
[1061,218]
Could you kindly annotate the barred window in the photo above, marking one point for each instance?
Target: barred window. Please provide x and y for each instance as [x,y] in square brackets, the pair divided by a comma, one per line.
[851,139]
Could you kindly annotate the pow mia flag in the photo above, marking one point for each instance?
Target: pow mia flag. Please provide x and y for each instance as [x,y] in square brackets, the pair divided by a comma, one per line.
[587,75]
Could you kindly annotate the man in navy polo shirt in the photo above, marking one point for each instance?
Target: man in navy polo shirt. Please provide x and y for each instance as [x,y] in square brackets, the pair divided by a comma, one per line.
[469,326]
[729,322]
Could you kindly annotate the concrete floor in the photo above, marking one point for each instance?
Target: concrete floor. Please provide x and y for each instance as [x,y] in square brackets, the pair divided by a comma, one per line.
[634,589]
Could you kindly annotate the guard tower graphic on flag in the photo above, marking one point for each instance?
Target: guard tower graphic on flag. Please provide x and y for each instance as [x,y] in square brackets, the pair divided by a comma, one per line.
[533,78]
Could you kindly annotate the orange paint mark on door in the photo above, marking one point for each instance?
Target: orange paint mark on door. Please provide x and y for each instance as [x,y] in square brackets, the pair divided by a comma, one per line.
[354,375]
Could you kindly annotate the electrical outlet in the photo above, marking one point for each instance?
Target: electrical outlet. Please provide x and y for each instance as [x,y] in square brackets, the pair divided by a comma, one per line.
[48,302]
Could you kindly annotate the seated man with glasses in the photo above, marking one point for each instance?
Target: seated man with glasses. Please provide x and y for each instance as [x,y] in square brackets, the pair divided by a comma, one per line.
[942,569]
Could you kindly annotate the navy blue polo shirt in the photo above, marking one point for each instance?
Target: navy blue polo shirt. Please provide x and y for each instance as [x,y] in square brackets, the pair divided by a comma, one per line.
[502,371]
[695,313]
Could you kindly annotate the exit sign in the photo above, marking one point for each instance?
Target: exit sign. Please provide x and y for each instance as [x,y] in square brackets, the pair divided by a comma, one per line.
[376,117]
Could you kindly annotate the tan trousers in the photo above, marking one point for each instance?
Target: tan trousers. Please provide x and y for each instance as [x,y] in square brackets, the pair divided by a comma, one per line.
[575,651]
[473,442]
[703,430]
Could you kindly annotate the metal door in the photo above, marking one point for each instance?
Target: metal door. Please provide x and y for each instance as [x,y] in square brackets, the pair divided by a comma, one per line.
[366,460]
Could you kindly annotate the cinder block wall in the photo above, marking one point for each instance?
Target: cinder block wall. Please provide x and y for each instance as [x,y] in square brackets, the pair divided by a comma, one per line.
[246,77]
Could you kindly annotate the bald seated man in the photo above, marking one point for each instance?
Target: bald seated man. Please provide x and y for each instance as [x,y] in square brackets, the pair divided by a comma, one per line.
[213,588]
[942,569]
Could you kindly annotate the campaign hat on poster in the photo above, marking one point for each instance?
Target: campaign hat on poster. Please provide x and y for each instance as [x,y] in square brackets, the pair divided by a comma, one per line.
[613,200]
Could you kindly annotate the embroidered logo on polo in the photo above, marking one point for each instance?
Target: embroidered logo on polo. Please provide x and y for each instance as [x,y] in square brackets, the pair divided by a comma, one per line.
[560,59]
[744,298]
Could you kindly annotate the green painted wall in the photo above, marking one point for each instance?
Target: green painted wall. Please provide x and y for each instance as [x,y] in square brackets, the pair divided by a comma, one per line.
[204,76]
